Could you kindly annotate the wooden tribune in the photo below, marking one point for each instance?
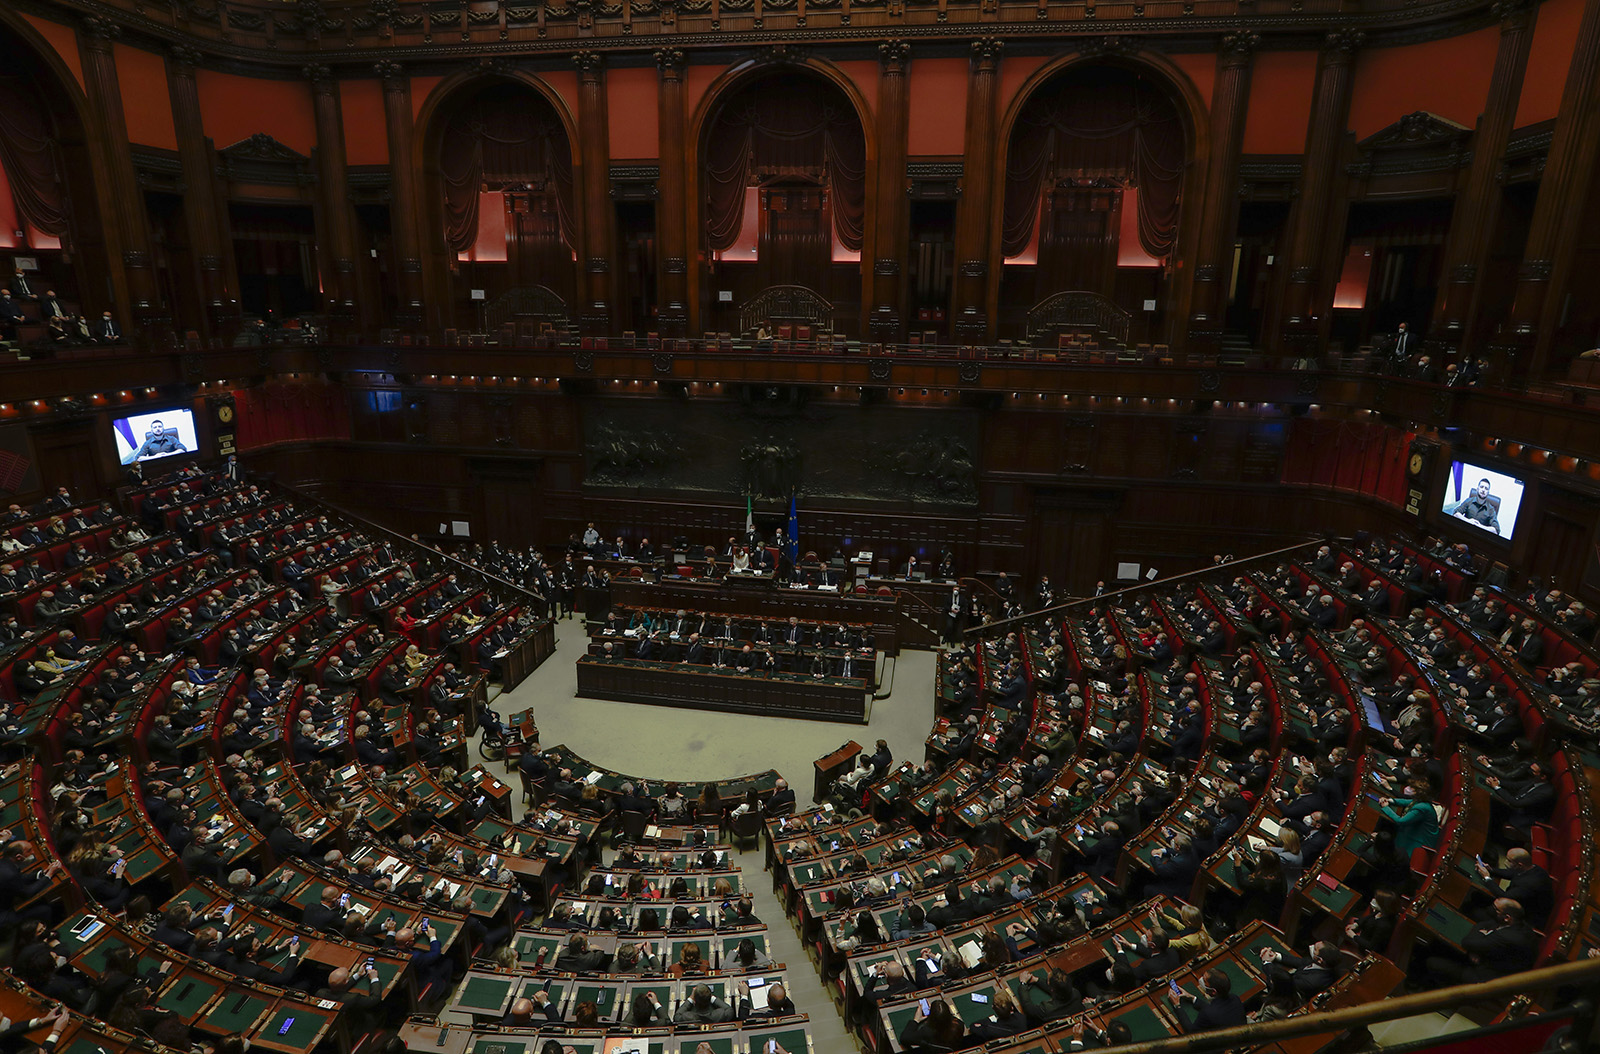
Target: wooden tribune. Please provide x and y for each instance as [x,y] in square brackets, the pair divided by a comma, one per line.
[669,684]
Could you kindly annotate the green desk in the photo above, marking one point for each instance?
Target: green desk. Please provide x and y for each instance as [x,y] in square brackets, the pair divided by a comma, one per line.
[895,1022]
[1143,1020]
[1338,901]
[293,1028]
[487,900]
[507,1044]
[971,1010]
[1446,923]
[720,1044]
[607,999]
[1246,982]
[1250,948]
[89,1041]
[189,993]
[529,945]
[236,1012]
[794,1040]
[485,995]
[730,944]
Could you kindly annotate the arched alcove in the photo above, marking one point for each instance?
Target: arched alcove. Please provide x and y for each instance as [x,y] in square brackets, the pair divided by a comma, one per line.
[49,191]
[1100,157]
[782,190]
[499,192]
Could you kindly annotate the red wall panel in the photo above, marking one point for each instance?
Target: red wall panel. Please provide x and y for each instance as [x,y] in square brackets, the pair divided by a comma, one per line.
[1549,60]
[1014,70]
[1201,68]
[63,40]
[234,108]
[1280,102]
[864,75]
[1447,77]
[366,139]
[421,88]
[146,102]
[938,113]
[633,113]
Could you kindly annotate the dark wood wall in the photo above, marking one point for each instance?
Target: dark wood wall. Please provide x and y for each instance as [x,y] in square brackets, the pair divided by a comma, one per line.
[1071,494]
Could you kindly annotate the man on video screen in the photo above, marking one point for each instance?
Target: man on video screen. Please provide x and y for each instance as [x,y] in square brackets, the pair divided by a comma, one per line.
[158,442]
[1479,508]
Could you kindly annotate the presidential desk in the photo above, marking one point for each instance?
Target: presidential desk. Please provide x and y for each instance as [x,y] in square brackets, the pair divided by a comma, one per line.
[761,598]
[706,688]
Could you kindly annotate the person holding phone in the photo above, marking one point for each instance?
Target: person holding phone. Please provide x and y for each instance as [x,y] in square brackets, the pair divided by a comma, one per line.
[360,993]
[936,1028]
[1007,1018]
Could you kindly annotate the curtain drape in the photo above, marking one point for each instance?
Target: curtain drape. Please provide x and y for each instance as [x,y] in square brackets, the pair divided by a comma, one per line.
[506,136]
[785,127]
[1114,126]
[27,150]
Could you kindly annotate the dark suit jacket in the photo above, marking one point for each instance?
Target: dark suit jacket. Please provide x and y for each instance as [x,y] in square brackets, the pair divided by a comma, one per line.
[1202,1015]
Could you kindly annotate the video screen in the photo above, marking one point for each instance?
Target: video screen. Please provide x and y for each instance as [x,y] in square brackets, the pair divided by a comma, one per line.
[145,437]
[1486,499]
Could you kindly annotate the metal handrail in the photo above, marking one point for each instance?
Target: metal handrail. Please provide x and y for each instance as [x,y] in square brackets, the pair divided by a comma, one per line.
[1157,584]
[454,563]
[1448,1000]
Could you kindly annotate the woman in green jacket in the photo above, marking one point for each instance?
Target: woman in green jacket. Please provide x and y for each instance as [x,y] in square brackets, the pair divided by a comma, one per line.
[1416,819]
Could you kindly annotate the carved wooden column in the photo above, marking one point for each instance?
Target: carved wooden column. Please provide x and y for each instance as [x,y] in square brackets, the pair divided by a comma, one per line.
[123,205]
[594,315]
[970,321]
[891,221]
[1330,110]
[199,193]
[402,192]
[672,310]
[337,259]
[1220,211]
[1478,207]
[1552,235]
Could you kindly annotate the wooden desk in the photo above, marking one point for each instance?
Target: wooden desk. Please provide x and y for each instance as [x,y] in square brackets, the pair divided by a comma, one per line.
[526,654]
[668,684]
[832,767]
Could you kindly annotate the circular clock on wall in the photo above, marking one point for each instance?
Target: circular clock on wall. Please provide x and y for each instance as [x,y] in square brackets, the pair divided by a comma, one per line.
[1416,464]
[225,415]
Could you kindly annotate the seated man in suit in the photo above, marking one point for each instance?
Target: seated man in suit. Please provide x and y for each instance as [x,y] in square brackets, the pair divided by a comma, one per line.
[1215,1007]
[1301,977]
[703,1008]
[782,800]
[1526,883]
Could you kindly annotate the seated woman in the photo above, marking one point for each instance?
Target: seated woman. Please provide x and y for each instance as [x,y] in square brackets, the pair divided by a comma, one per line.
[938,1030]
[1415,817]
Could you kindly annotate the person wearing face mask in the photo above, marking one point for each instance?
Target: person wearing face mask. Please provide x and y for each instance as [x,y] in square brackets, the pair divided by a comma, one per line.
[1415,817]
[1505,944]
[1215,1007]
[1370,932]
[1301,977]
[1526,883]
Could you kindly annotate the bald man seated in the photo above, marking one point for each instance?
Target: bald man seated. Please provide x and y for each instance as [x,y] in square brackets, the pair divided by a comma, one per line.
[531,1011]
[358,993]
